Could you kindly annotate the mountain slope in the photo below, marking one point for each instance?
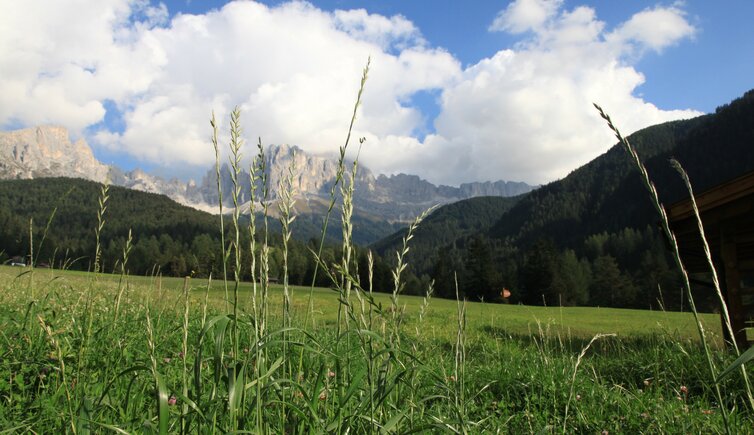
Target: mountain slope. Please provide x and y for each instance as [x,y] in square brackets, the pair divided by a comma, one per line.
[607,193]
[592,238]
[446,225]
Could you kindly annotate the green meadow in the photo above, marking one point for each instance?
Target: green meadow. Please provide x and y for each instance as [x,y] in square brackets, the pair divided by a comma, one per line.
[71,363]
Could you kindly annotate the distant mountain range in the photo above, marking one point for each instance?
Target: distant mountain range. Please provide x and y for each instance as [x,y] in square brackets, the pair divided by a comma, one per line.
[46,151]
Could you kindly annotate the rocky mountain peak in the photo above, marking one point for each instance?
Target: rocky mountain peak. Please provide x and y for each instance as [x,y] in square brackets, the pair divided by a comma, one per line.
[47,151]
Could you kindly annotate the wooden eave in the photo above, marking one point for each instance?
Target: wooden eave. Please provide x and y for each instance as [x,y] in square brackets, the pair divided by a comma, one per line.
[713,198]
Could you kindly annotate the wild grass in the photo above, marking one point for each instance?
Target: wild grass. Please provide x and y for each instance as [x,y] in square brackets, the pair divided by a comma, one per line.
[528,371]
[150,354]
[665,222]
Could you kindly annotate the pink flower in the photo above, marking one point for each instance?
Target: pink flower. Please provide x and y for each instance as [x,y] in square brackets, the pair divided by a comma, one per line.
[172,400]
[684,390]
[330,374]
[323,395]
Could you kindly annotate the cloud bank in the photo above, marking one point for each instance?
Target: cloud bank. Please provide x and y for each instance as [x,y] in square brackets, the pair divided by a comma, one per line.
[522,114]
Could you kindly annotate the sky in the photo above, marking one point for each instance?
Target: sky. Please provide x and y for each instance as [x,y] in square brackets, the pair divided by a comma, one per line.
[457,91]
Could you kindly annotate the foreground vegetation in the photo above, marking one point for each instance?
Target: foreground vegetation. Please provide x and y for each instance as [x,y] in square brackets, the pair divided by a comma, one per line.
[73,361]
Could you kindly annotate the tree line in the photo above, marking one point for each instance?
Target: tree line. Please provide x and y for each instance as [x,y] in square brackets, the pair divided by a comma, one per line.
[167,238]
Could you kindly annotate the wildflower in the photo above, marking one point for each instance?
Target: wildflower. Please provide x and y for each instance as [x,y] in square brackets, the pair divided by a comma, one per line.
[181,355]
[684,390]
[646,382]
[299,394]
[707,411]
[605,432]
[578,397]
[172,400]
[323,395]
[452,378]
[644,415]
[330,374]
[166,360]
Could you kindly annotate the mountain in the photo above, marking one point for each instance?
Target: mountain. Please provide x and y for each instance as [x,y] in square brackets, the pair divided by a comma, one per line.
[607,193]
[396,198]
[47,152]
[445,227]
[381,204]
[592,237]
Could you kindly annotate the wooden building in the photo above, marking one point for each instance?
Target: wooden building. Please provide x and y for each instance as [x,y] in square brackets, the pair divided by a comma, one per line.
[727,212]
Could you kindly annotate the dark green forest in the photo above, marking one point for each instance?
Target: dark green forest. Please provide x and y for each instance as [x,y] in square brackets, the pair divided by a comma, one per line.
[167,238]
[591,238]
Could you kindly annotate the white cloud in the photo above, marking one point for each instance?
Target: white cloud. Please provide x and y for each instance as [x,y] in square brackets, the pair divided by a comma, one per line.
[394,32]
[524,15]
[60,60]
[655,28]
[526,113]
[523,114]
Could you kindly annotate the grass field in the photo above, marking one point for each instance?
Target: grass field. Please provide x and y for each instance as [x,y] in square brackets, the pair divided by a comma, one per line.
[70,364]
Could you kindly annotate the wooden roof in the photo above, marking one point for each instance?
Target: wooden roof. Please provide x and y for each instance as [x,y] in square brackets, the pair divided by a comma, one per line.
[713,198]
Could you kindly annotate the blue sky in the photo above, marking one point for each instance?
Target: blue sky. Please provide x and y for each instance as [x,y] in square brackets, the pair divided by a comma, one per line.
[714,67]
[458,91]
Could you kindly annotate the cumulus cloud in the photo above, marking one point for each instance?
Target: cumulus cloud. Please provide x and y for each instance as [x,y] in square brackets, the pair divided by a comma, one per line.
[522,114]
[523,15]
[526,113]
[61,60]
[655,28]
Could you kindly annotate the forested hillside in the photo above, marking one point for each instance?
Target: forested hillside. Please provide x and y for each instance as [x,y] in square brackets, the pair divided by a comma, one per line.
[167,237]
[592,237]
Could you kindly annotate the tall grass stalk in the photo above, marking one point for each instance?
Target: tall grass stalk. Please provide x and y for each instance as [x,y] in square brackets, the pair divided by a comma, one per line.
[573,377]
[102,201]
[285,206]
[255,335]
[215,144]
[424,308]
[338,178]
[459,368]
[123,281]
[400,267]
[184,354]
[31,257]
[253,178]
[235,164]
[264,255]
[61,364]
[676,256]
